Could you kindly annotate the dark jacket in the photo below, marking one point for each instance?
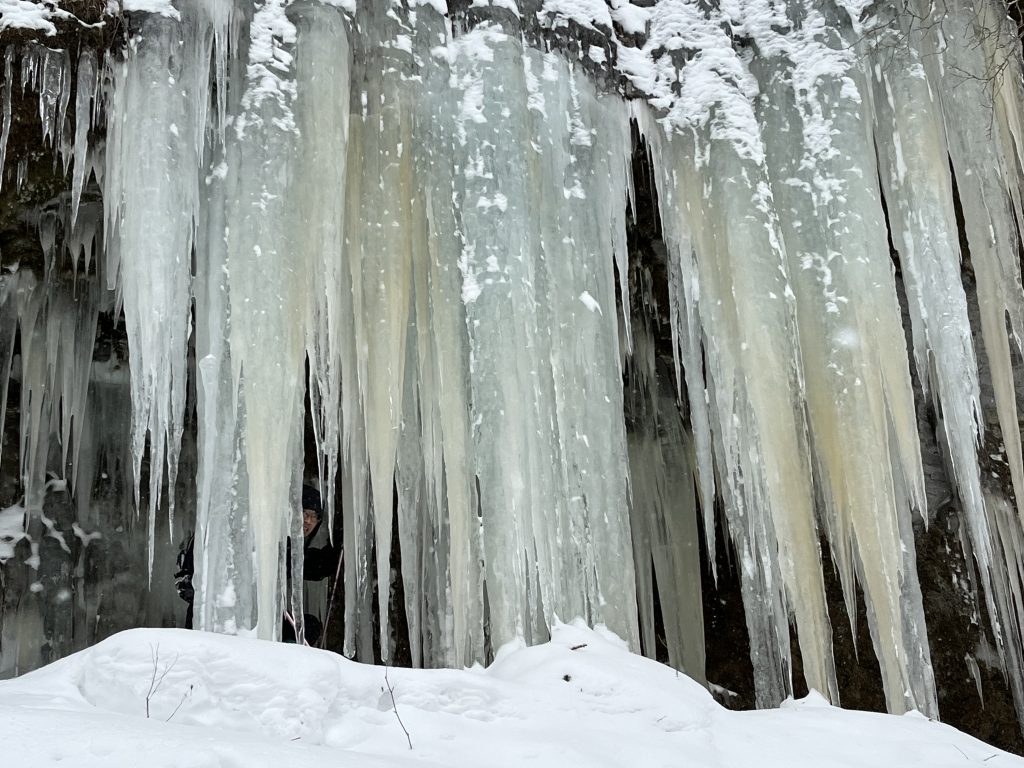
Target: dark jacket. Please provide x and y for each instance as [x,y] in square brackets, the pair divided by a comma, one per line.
[318,563]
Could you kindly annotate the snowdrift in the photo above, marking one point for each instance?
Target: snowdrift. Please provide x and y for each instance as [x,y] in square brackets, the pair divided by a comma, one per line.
[580,700]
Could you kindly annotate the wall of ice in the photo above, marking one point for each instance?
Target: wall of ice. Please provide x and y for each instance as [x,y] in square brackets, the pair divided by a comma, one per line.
[412,223]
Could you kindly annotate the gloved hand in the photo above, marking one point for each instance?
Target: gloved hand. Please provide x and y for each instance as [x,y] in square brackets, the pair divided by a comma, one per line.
[183,585]
[186,568]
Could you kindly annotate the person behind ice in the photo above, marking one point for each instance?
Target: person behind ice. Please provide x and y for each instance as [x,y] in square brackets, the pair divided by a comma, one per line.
[317,564]
[183,576]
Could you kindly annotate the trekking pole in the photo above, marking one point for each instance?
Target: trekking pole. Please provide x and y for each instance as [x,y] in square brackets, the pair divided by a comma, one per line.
[330,602]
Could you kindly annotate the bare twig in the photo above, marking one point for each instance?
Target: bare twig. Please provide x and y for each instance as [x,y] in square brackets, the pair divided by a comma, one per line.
[394,706]
[183,697]
[157,679]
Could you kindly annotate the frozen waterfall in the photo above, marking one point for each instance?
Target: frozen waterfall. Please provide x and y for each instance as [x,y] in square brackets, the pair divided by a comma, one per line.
[391,249]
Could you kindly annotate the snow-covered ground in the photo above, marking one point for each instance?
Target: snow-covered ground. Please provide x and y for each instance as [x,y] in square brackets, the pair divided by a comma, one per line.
[580,700]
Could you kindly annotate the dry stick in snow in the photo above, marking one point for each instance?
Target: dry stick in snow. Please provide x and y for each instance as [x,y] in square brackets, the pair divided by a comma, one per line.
[394,706]
[156,681]
[183,697]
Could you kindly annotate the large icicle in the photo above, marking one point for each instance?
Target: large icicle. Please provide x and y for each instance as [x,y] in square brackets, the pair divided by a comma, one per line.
[664,508]
[5,118]
[754,371]
[918,189]
[86,96]
[154,150]
[988,187]
[454,558]
[269,293]
[521,296]
[497,264]
[980,94]
[224,577]
[322,70]
[382,237]
[580,138]
[224,582]
[859,396]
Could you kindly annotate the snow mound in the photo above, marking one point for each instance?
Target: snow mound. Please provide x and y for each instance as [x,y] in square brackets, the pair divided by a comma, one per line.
[580,700]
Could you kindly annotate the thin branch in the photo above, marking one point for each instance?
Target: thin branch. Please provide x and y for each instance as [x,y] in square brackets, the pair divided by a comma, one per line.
[184,696]
[394,706]
[156,681]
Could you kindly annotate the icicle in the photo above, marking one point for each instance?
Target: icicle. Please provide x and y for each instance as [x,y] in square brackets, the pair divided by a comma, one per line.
[975,92]
[54,94]
[269,274]
[322,117]
[5,128]
[984,184]
[522,295]
[85,93]
[1008,589]
[36,395]
[859,396]
[918,191]
[409,485]
[77,334]
[380,238]
[8,325]
[58,330]
[224,578]
[82,239]
[663,511]
[752,349]
[497,266]
[684,318]
[582,138]
[443,356]
[154,150]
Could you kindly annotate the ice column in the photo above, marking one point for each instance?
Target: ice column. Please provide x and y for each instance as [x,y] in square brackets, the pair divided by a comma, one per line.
[157,121]
[224,576]
[858,391]
[664,506]
[913,157]
[497,289]
[525,194]
[980,95]
[269,286]
[581,138]
[386,229]
[722,233]
[451,556]
[322,71]
[989,184]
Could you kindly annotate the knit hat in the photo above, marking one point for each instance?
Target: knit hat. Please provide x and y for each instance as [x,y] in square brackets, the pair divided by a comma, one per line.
[311,500]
